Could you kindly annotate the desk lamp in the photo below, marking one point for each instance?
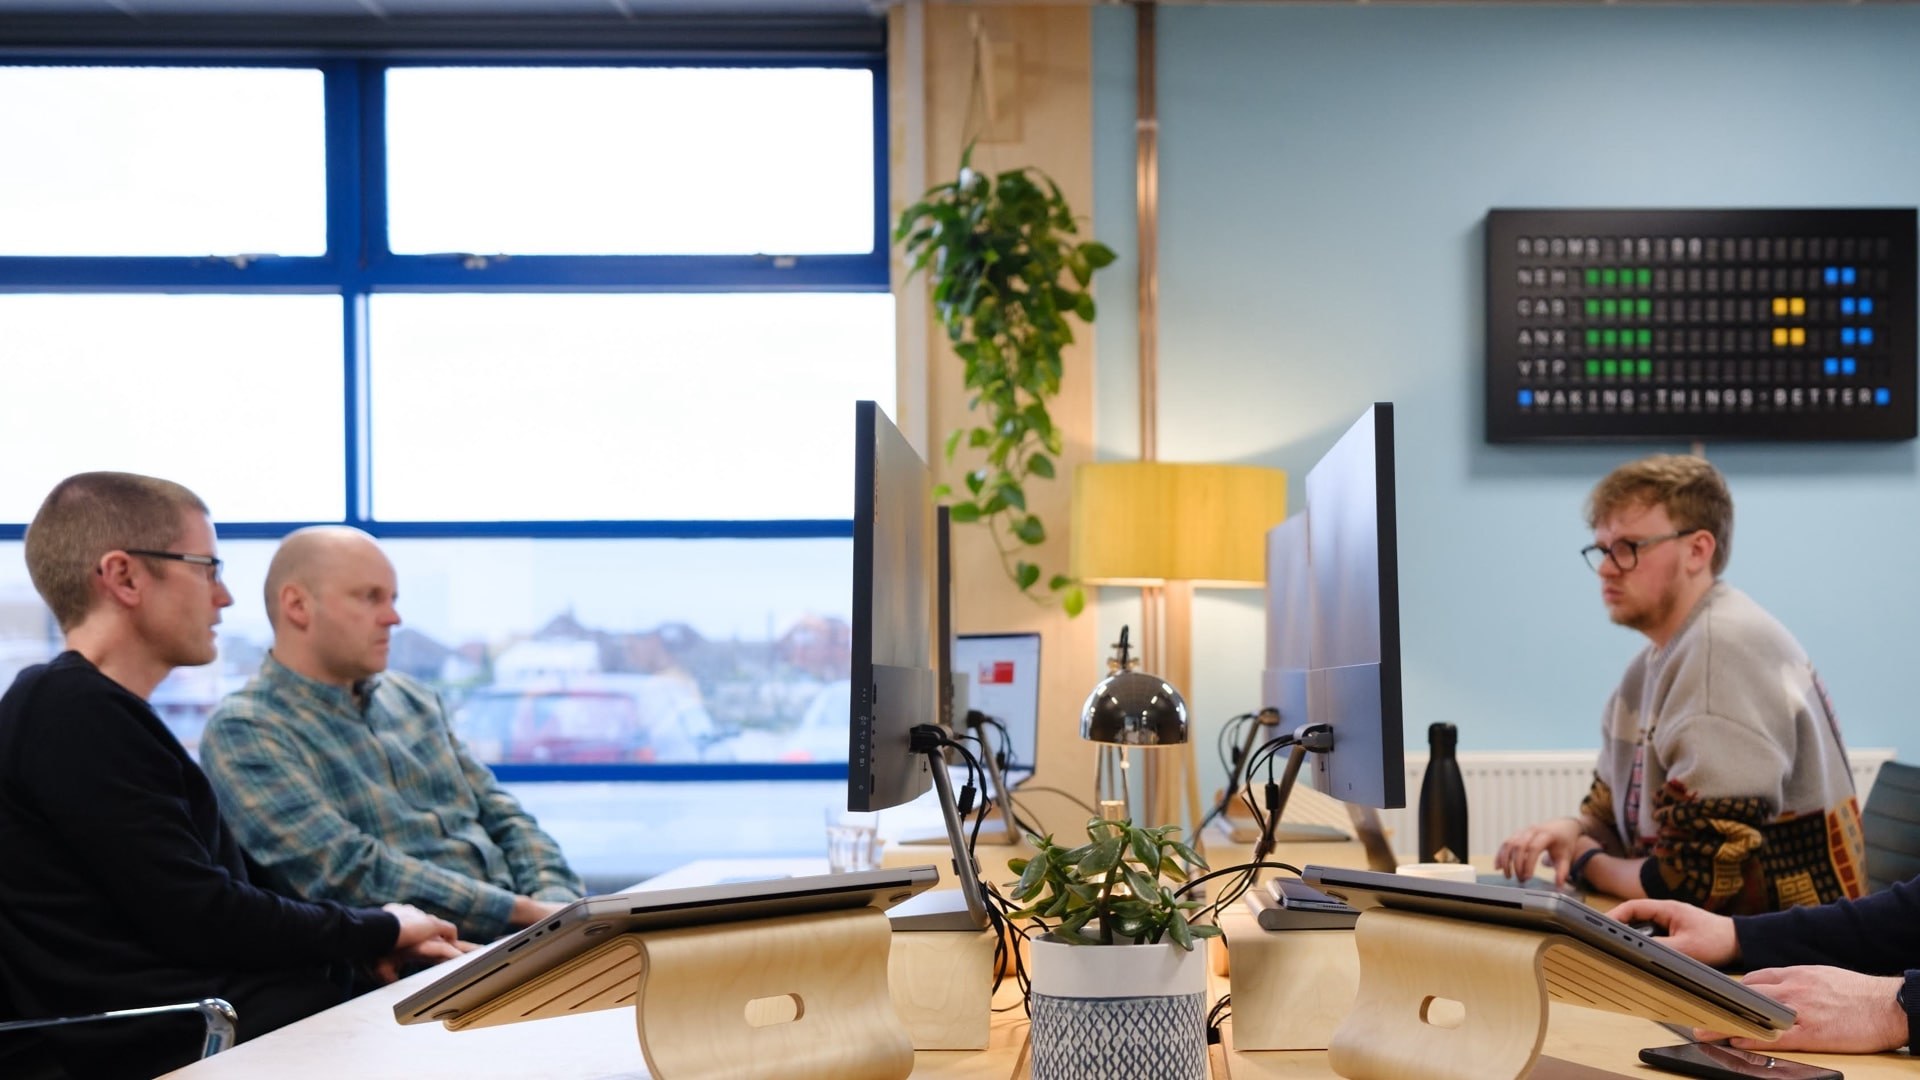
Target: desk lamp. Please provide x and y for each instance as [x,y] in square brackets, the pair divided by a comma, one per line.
[1128,708]
[1169,528]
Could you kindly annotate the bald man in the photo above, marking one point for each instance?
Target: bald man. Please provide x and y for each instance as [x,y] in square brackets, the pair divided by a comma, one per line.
[345,783]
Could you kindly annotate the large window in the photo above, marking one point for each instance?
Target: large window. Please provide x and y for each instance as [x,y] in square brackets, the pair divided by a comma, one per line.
[579,342]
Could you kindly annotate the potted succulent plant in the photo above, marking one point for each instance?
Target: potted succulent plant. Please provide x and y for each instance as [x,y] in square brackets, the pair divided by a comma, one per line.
[1120,977]
[1008,273]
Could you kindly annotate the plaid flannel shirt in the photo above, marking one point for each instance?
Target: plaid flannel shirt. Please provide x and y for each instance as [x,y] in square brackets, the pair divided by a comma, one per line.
[370,799]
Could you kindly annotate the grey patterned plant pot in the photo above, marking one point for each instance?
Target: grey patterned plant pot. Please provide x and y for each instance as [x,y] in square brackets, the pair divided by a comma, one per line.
[1119,1012]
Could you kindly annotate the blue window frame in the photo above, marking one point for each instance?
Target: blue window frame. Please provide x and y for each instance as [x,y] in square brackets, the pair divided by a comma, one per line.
[358,266]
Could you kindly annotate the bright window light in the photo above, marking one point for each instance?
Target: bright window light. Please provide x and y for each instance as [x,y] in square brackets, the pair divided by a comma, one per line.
[630,161]
[238,397]
[162,161]
[646,407]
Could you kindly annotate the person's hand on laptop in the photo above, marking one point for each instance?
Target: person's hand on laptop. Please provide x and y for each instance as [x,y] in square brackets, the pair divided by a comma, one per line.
[1698,933]
[1836,1011]
[527,911]
[1557,841]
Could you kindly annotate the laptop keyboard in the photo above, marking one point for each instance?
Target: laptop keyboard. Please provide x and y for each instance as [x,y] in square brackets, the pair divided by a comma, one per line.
[1532,884]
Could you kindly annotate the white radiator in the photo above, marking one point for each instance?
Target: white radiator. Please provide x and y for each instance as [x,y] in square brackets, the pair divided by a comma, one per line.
[1507,790]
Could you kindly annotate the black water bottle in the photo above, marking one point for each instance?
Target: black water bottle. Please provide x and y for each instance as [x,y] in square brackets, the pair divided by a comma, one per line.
[1443,800]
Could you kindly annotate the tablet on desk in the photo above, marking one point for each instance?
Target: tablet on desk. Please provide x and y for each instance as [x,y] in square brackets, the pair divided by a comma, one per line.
[1552,912]
[585,924]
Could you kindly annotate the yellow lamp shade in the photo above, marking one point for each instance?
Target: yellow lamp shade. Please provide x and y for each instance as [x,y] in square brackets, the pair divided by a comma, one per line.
[1147,522]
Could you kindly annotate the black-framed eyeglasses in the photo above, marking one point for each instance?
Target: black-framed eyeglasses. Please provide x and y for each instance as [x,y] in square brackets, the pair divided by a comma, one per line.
[1626,553]
[212,563]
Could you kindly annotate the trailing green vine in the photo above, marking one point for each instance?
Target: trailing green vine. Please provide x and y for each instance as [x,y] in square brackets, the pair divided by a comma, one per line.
[1008,274]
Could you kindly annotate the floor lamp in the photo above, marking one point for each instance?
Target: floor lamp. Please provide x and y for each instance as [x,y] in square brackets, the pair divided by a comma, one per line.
[1169,528]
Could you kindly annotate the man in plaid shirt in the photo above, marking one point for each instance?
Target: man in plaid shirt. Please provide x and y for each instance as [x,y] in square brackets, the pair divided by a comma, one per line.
[347,784]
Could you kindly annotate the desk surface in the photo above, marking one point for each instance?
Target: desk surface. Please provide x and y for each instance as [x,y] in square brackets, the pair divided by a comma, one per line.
[361,1039]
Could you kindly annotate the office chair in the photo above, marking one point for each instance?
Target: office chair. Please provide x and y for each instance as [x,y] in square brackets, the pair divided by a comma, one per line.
[23,1056]
[1891,826]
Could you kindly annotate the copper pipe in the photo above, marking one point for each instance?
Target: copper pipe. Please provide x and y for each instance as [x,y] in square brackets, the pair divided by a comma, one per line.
[1146,182]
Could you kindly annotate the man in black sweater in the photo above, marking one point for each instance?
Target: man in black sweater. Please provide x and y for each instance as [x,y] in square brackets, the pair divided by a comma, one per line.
[1850,969]
[120,885]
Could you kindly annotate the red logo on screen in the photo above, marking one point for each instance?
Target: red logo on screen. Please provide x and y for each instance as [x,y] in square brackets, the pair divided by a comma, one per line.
[995,671]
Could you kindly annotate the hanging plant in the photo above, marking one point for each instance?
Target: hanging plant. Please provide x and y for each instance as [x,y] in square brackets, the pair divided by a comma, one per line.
[1008,274]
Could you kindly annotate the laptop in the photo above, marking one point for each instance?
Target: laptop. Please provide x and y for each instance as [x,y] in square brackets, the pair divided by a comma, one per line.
[1290,904]
[1555,913]
[1532,884]
[585,924]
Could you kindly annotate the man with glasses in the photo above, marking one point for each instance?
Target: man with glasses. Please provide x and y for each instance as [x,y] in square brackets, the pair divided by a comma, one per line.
[344,781]
[1722,779]
[120,885]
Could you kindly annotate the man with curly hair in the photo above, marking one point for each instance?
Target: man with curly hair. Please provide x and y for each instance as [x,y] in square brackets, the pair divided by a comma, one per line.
[1722,778]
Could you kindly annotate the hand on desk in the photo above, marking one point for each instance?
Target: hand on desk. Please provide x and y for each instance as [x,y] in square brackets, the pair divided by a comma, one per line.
[424,941]
[1838,1011]
[1701,934]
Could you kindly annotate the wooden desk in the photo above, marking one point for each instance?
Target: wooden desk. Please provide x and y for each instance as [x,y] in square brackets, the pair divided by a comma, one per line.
[360,1038]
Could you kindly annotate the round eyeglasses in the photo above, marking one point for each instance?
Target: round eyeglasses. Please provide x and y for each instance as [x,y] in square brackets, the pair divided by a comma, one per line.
[1626,553]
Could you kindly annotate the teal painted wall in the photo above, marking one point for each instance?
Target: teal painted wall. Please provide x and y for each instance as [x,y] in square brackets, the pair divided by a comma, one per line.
[1324,175]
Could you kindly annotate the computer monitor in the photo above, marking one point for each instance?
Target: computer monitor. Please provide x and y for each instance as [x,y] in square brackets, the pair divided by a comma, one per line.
[893,632]
[1333,618]
[953,679]
[895,659]
[1002,676]
[945,686]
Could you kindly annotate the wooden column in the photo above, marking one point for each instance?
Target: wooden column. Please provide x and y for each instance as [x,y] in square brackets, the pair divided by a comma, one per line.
[1033,64]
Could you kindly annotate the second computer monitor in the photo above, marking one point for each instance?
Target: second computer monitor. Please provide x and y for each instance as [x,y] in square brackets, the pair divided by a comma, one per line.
[1333,617]
[1002,674]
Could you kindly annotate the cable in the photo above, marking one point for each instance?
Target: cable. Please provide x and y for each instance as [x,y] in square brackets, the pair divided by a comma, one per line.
[976,782]
[1232,893]
[1217,1016]
[1221,744]
[1021,818]
[1263,754]
[1006,758]
[1314,738]
[1074,799]
[1013,808]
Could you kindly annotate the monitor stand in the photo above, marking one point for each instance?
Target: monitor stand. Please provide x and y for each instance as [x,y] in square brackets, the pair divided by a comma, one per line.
[1001,831]
[964,908]
[1310,737]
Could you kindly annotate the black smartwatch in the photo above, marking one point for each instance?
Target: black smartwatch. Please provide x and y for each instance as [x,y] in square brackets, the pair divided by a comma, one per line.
[1909,999]
[1577,873]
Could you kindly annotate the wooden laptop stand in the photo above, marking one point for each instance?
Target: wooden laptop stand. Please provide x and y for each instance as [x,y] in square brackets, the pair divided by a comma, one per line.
[1417,971]
[804,997]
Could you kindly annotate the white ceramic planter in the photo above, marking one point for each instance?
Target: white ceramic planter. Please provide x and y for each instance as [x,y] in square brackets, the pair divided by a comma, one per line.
[1119,1012]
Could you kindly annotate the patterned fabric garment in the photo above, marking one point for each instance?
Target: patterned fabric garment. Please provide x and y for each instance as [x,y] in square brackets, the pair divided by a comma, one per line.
[1726,856]
[366,797]
[1722,762]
